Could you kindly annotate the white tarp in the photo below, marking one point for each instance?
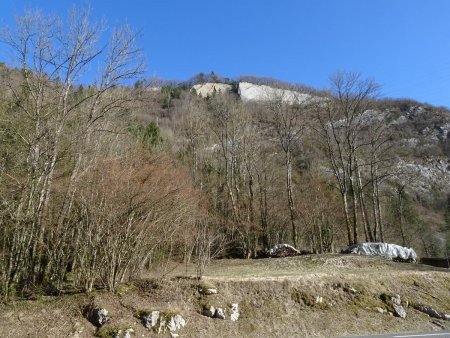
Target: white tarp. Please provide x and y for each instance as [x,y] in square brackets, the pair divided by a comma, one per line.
[389,251]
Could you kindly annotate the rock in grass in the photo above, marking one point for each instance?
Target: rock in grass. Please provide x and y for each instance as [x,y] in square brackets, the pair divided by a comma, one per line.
[209,311]
[396,300]
[234,312]
[175,323]
[97,316]
[160,321]
[207,290]
[429,311]
[399,310]
[220,314]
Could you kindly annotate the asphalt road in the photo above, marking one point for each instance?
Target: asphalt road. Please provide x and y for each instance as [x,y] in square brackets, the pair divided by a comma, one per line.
[435,334]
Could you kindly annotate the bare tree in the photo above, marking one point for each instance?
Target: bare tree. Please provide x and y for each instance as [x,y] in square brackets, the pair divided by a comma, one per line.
[288,125]
[341,122]
[54,112]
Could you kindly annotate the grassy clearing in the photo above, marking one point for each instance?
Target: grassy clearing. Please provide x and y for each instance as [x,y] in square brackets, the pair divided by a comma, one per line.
[310,266]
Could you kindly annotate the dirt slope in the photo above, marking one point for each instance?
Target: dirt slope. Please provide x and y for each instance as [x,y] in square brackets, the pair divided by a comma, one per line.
[277,298]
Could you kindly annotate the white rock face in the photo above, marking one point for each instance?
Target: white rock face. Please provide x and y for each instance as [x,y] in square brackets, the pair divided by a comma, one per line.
[209,88]
[252,92]
[401,120]
[429,175]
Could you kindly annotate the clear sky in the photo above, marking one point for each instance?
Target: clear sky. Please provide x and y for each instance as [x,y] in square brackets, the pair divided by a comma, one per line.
[402,44]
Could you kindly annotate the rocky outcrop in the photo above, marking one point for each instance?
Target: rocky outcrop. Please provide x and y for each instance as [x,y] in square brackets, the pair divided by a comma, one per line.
[159,321]
[209,88]
[212,311]
[262,93]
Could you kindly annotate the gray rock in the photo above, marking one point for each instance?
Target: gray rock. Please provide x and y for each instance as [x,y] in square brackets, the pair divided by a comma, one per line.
[396,300]
[220,314]
[98,316]
[399,310]
[209,311]
[159,322]
[154,321]
[429,311]
[234,316]
[175,323]
[446,316]
[151,319]
[154,316]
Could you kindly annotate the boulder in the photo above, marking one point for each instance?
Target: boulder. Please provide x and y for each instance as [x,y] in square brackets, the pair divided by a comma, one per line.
[175,323]
[209,311]
[399,310]
[96,315]
[160,321]
[154,321]
[234,312]
[220,314]
[429,311]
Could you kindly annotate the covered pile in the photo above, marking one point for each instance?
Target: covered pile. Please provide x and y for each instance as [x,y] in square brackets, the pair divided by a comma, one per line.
[281,250]
[389,251]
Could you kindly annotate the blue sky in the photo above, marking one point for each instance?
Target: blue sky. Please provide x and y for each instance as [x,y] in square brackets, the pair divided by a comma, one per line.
[402,44]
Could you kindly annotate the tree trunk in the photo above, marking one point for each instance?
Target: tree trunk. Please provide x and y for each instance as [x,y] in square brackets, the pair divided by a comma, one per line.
[291,198]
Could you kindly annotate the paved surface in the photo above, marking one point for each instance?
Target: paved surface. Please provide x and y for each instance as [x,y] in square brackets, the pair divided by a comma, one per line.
[435,334]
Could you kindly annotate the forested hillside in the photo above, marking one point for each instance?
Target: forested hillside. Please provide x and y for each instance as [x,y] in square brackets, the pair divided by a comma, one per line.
[104,174]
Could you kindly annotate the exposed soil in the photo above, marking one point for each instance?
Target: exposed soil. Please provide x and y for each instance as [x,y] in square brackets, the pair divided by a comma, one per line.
[277,298]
